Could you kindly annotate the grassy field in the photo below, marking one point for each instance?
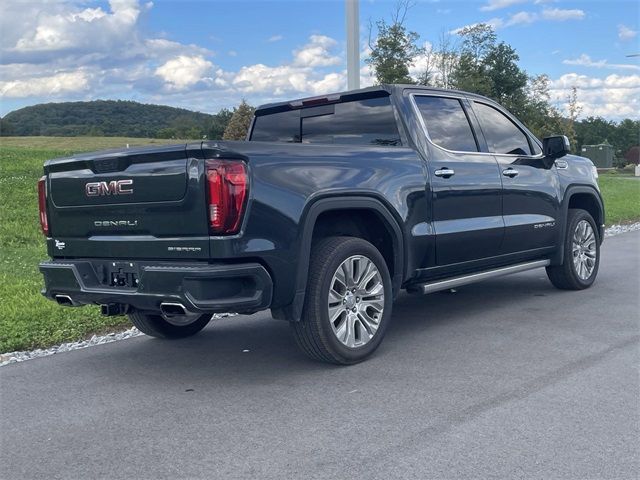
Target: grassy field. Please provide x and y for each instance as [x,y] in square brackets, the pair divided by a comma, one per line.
[621,194]
[65,145]
[28,320]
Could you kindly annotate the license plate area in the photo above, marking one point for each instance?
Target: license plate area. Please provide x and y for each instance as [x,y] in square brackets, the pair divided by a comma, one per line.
[122,275]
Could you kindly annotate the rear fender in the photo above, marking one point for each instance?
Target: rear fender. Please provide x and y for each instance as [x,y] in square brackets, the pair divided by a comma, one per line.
[293,312]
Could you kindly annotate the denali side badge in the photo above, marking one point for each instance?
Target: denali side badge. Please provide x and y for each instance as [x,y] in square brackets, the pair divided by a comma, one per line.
[545,225]
[114,187]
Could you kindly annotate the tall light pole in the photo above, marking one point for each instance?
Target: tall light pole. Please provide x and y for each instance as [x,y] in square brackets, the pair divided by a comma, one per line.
[353,43]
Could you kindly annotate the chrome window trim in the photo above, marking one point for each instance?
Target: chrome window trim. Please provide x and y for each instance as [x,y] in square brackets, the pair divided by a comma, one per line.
[459,97]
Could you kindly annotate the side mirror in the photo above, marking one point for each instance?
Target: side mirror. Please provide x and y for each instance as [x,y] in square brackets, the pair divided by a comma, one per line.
[555,147]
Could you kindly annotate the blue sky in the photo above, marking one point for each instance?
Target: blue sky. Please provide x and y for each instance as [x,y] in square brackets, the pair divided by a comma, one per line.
[205,55]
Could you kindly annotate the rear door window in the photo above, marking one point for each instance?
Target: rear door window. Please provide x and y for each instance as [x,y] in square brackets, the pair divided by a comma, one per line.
[447,123]
[502,135]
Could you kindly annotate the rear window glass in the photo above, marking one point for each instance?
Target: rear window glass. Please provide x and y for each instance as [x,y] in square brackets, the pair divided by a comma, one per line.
[277,127]
[447,123]
[362,122]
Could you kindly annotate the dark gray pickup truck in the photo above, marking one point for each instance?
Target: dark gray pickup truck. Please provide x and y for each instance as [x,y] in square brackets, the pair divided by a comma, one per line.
[331,207]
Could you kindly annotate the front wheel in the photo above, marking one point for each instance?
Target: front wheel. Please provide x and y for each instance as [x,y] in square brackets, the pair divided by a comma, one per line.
[155,325]
[348,301]
[581,253]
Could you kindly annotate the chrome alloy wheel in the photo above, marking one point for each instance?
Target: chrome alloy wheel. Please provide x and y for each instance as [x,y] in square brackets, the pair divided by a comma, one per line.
[584,250]
[356,301]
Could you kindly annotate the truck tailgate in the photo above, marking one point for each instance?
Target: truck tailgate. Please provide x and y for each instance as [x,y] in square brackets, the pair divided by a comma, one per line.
[144,202]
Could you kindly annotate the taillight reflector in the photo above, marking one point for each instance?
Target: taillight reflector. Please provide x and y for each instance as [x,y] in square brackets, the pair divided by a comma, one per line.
[227,185]
[42,205]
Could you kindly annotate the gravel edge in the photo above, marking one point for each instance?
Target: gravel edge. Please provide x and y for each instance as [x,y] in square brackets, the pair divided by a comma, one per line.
[21,356]
[16,357]
[618,229]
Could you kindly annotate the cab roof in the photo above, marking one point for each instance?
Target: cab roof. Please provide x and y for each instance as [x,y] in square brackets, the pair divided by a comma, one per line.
[369,92]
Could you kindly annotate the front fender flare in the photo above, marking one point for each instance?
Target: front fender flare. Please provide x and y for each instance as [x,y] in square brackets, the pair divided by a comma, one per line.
[572,190]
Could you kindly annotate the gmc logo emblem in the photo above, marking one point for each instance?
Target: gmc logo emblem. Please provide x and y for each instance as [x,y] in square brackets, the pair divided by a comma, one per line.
[114,187]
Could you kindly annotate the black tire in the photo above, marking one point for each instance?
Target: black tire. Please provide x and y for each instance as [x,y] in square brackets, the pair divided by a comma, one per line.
[155,325]
[314,333]
[565,276]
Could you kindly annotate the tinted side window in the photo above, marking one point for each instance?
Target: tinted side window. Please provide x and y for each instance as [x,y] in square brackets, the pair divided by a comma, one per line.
[277,127]
[361,122]
[502,135]
[447,123]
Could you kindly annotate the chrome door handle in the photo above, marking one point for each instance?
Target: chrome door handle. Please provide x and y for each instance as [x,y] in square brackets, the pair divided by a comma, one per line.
[510,172]
[444,173]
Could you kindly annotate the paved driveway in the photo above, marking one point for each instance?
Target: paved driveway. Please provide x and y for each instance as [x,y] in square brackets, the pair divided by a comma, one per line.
[506,379]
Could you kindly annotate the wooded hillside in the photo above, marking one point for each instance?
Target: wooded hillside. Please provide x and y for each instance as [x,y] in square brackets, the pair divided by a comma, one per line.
[112,118]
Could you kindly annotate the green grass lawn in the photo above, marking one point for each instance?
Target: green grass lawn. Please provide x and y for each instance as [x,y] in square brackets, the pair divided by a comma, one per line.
[621,195]
[28,320]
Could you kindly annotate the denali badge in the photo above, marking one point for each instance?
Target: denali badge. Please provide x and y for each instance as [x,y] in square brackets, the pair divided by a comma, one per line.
[116,223]
[545,225]
[114,187]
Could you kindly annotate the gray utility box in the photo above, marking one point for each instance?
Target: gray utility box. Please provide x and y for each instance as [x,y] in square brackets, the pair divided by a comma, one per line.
[601,155]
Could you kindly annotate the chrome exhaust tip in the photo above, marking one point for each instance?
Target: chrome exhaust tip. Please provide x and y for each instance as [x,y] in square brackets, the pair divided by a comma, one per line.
[177,314]
[172,309]
[65,300]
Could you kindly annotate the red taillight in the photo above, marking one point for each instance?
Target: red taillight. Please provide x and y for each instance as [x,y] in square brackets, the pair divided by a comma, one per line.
[227,185]
[42,205]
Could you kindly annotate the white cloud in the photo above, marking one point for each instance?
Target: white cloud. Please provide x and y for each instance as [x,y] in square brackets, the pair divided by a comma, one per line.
[316,53]
[586,61]
[521,18]
[106,45]
[260,78]
[56,84]
[614,97]
[626,33]
[303,75]
[526,18]
[492,5]
[561,15]
[275,38]
[91,28]
[184,71]
[496,23]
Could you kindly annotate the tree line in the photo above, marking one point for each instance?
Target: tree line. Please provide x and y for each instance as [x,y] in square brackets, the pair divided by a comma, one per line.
[474,60]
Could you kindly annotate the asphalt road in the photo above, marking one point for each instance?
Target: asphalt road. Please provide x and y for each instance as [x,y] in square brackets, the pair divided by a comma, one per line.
[506,379]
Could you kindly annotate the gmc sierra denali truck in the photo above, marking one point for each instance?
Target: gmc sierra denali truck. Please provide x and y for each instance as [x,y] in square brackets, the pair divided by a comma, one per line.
[331,207]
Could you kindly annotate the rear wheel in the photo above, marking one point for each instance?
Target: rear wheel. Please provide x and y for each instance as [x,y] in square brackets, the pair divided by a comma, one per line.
[581,253]
[347,303]
[155,325]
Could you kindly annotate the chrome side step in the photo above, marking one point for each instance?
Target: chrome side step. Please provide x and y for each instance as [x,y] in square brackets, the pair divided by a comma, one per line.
[454,282]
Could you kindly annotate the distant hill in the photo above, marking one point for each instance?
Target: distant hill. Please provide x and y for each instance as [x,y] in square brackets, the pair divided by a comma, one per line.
[111,118]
